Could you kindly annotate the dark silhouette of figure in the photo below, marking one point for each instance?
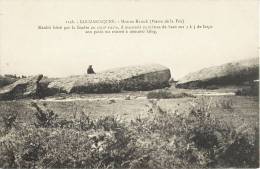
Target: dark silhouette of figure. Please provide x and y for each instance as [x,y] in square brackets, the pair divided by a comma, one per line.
[39,89]
[90,70]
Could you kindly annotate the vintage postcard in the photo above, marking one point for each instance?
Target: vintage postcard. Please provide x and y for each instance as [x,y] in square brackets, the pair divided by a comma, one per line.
[129,84]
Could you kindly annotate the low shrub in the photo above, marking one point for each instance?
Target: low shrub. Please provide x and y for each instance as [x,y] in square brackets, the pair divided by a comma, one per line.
[191,139]
[194,139]
[252,90]
[103,144]
[225,103]
[164,94]
[45,118]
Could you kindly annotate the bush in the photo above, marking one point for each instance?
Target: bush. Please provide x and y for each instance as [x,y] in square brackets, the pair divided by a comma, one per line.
[164,94]
[45,118]
[225,103]
[191,139]
[103,144]
[194,139]
[251,90]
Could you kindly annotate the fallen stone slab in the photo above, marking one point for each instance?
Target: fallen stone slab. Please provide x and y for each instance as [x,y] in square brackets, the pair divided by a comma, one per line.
[131,78]
[22,88]
[233,73]
[4,80]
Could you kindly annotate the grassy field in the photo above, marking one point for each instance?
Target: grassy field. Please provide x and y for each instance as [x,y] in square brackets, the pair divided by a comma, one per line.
[130,131]
[229,108]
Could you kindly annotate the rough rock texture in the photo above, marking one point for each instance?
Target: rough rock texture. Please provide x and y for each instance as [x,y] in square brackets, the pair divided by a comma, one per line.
[22,88]
[233,73]
[4,81]
[144,77]
[42,87]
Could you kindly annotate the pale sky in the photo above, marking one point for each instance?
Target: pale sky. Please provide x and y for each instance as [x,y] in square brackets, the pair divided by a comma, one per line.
[26,50]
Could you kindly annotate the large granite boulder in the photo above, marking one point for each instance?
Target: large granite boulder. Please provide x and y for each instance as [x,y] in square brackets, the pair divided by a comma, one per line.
[145,77]
[43,89]
[5,80]
[22,88]
[233,73]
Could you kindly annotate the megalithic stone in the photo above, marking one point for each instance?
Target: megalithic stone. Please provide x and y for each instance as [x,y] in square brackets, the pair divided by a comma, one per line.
[233,73]
[131,78]
[22,88]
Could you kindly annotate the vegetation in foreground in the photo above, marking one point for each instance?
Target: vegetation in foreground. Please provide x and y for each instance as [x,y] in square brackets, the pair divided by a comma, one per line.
[162,140]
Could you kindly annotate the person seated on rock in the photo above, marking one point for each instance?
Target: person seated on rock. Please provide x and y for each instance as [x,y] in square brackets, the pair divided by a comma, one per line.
[90,70]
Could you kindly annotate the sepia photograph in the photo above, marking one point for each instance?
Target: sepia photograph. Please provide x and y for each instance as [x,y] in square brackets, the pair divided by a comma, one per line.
[129,84]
